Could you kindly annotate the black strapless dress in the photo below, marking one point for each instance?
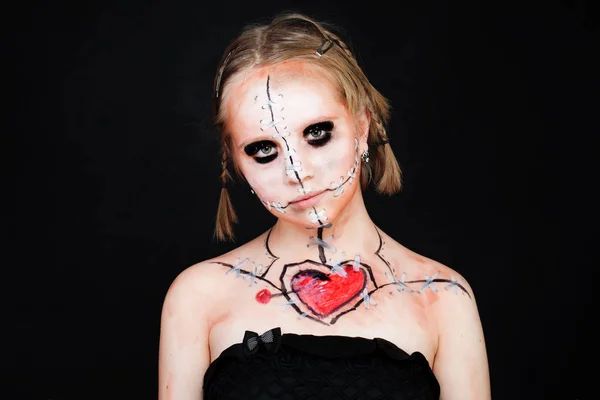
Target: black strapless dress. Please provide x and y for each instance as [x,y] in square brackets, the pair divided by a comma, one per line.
[292,366]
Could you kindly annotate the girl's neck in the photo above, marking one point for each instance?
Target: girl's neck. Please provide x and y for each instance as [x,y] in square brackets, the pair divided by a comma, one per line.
[351,233]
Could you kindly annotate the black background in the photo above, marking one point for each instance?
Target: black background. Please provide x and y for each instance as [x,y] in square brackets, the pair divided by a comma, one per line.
[113,177]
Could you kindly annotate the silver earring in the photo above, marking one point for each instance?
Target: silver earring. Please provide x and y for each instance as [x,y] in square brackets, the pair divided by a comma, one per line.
[365,156]
[251,191]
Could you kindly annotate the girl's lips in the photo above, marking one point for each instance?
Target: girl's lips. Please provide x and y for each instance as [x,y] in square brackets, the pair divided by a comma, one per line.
[307,202]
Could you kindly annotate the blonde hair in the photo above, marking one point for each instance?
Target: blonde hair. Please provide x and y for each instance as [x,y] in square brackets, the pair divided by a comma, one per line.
[296,36]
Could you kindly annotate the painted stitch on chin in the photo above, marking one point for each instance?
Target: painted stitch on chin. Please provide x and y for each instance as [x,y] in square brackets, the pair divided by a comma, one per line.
[317,216]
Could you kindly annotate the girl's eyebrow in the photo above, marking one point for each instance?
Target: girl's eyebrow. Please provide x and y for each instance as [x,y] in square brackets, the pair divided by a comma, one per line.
[261,138]
[253,147]
[326,125]
[319,120]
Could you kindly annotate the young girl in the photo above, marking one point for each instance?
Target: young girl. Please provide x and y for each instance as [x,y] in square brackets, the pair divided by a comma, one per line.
[323,305]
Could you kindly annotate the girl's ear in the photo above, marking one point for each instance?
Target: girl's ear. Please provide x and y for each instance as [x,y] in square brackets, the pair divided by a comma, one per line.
[364,124]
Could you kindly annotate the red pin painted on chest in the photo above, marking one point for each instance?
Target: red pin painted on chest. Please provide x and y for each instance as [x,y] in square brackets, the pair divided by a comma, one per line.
[264,296]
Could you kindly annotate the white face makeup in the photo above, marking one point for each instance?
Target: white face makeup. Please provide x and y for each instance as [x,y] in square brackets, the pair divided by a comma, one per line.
[299,148]
[295,141]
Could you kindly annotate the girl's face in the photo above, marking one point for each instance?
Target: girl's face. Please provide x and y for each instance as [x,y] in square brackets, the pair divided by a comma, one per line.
[295,141]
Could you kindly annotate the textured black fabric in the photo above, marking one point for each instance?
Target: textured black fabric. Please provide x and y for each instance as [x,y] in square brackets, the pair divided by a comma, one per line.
[291,366]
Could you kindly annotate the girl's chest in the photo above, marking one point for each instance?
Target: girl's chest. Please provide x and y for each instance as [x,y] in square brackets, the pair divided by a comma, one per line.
[312,302]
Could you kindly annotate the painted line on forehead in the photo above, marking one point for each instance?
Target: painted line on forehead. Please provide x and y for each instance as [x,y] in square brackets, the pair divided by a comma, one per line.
[270,101]
[277,130]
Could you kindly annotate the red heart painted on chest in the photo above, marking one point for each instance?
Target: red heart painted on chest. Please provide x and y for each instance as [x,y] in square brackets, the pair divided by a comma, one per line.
[325,293]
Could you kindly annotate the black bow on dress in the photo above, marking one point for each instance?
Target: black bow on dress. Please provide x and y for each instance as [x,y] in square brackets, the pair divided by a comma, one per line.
[270,341]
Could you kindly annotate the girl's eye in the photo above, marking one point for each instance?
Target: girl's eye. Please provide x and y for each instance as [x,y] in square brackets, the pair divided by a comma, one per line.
[318,134]
[263,152]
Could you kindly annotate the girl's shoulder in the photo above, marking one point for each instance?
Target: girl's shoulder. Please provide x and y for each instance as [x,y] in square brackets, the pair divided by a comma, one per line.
[208,276]
[421,268]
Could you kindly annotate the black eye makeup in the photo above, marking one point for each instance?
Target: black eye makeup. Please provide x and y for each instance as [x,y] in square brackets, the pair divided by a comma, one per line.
[263,151]
[318,134]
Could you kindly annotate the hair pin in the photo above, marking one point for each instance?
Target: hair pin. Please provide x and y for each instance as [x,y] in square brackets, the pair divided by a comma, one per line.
[324,47]
[218,86]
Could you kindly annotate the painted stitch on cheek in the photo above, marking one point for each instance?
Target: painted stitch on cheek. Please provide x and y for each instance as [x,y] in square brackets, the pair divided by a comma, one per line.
[278,207]
[338,188]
